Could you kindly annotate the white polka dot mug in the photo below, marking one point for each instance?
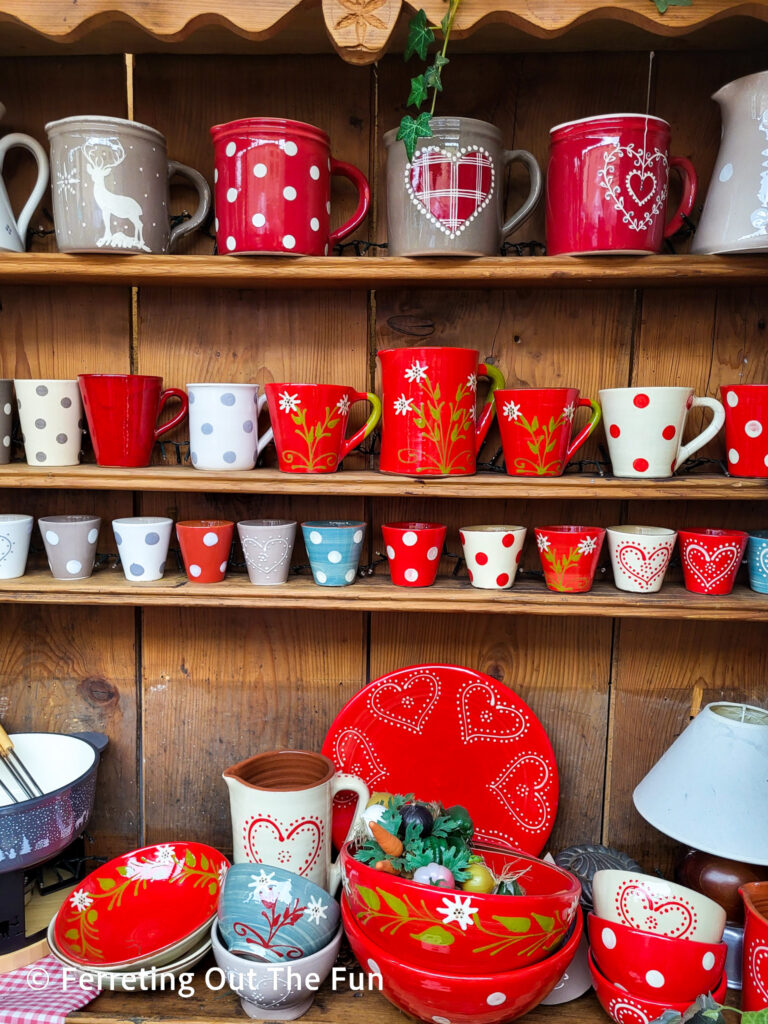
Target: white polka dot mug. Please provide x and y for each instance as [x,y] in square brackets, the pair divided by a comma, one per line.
[645,426]
[223,426]
[272,187]
[142,543]
[746,428]
[70,544]
[52,421]
[6,420]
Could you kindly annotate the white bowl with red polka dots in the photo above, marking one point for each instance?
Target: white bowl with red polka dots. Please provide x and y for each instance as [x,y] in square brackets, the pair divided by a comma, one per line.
[413,551]
[655,966]
[492,554]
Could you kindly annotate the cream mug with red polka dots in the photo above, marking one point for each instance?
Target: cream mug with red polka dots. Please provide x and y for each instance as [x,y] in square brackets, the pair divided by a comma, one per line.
[492,554]
[644,428]
[272,188]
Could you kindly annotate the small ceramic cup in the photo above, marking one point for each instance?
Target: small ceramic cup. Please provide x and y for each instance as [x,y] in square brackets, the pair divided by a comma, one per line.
[275,915]
[70,544]
[569,556]
[205,545]
[224,427]
[15,532]
[6,420]
[757,560]
[267,545]
[640,556]
[492,554]
[52,421]
[711,559]
[413,551]
[142,543]
[334,548]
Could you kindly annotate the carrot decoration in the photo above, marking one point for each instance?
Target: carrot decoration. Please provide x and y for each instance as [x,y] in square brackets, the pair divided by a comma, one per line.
[391,845]
[386,865]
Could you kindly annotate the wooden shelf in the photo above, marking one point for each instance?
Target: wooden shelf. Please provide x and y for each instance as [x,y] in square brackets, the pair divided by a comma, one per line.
[368,272]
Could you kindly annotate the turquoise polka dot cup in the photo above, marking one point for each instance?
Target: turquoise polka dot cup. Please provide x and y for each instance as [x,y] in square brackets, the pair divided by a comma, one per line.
[757,561]
[334,548]
[142,543]
[223,426]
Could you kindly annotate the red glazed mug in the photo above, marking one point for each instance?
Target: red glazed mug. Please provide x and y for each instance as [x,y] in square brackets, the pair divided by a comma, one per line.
[429,423]
[273,188]
[309,422]
[205,545]
[746,428]
[122,410]
[413,551]
[607,186]
[535,426]
[569,556]
[711,559]
[754,989]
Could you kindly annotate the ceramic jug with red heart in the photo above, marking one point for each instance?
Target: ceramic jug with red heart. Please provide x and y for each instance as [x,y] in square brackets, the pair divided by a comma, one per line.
[449,199]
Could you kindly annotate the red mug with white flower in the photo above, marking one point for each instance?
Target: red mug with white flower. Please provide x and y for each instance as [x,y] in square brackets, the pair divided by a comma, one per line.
[569,556]
[309,422]
[429,423]
[711,559]
[536,425]
[273,188]
[413,551]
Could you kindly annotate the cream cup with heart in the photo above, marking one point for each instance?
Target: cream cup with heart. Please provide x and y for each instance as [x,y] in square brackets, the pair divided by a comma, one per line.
[652,904]
[267,545]
[640,556]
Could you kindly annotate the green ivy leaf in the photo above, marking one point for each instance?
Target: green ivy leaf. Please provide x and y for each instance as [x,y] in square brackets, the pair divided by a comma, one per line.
[445,24]
[518,925]
[369,896]
[412,129]
[420,35]
[435,936]
[418,92]
[394,903]
[662,5]
[755,1016]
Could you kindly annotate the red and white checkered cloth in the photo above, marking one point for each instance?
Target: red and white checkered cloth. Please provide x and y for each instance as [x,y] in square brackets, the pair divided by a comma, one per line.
[451,189]
[39,993]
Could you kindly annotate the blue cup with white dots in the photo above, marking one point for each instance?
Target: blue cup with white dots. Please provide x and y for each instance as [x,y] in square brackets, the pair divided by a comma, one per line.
[142,543]
[334,547]
[224,426]
[757,560]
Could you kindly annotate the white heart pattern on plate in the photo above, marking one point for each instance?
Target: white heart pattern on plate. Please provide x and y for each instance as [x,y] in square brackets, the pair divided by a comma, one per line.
[630,197]
[407,705]
[354,754]
[483,716]
[266,555]
[522,785]
[450,189]
[643,566]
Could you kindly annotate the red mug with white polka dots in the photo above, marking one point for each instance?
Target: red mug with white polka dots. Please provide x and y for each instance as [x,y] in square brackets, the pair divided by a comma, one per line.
[273,188]
[746,428]
[644,428]
[413,551]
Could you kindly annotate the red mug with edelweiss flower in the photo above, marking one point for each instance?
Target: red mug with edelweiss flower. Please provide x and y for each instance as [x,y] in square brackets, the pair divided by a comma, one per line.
[309,422]
[569,556]
[536,425]
[429,424]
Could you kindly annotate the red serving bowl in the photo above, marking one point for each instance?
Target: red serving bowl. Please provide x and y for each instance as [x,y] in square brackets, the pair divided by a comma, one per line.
[462,932]
[474,998]
[626,1008]
[655,966]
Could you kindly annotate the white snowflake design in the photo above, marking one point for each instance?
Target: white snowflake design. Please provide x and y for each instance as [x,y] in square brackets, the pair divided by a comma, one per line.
[343,405]
[511,411]
[67,182]
[543,542]
[568,411]
[416,372]
[472,382]
[460,911]
[587,546]
[165,855]
[315,909]
[288,403]
[80,899]
[403,405]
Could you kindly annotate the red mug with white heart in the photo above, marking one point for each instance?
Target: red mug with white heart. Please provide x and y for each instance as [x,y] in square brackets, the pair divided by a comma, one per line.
[448,199]
[711,559]
[608,185]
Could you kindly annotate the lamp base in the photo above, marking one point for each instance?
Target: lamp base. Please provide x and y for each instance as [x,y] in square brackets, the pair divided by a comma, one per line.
[719,879]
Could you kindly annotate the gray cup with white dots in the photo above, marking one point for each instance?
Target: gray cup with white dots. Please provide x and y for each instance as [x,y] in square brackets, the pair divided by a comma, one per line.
[223,426]
[142,543]
[52,421]
[70,544]
[6,419]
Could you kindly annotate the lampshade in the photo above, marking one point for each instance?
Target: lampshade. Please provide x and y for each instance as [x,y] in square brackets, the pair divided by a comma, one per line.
[710,789]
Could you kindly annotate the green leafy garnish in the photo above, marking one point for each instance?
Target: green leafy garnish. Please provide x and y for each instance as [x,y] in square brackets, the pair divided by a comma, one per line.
[411,130]
[420,36]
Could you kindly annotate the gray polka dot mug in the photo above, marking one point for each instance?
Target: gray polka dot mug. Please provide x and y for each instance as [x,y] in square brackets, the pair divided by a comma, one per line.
[223,426]
[6,420]
[142,543]
[51,416]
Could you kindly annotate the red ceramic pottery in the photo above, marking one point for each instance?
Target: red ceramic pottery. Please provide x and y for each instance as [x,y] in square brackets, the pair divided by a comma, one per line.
[746,428]
[754,975]
[273,188]
[310,423]
[569,556]
[205,545]
[461,998]
[413,550]
[536,425]
[626,1008]
[429,424]
[140,904]
[464,933]
[711,559]
[655,966]
[122,410]
[608,183]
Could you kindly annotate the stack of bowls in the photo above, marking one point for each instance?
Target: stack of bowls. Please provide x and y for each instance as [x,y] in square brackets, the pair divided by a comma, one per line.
[464,957]
[654,946]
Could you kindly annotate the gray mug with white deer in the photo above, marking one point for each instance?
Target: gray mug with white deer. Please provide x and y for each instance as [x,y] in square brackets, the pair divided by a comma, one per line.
[110,183]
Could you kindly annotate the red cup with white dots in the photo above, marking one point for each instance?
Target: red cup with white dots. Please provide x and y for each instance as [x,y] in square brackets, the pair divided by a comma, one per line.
[711,559]
[272,188]
[205,545]
[746,428]
[492,554]
[644,428]
[413,551]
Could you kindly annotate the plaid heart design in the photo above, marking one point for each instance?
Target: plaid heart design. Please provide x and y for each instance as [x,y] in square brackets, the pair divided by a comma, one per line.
[450,189]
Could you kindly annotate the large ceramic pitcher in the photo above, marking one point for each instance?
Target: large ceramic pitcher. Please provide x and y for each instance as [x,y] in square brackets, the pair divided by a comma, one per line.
[754,992]
[429,420]
[13,230]
[735,215]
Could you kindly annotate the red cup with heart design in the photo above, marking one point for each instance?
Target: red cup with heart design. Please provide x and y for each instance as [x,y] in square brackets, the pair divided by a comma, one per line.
[711,559]
[273,188]
[640,556]
[608,185]
[413,550]
[746,428]
[122,410]
[536,426]
[205,545]
[569,556]
[754,990]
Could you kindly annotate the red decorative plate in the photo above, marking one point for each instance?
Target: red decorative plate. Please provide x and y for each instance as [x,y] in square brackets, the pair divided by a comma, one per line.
[447,733]
[140,904]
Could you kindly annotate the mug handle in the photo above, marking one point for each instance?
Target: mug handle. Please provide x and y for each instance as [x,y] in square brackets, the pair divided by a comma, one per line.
[37,151]
[581,437]
[690,189]
[360,182]
[268,434]
[175,420]
[534,172]
[488,411]
[203,206]
[342,783]
[718,419]
[358,437]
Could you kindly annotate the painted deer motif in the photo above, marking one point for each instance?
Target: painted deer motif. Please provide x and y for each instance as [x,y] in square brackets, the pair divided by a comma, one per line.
[101,156]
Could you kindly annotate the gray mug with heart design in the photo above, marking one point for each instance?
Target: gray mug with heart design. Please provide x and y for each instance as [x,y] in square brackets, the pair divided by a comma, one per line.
[267,546]
[449,199]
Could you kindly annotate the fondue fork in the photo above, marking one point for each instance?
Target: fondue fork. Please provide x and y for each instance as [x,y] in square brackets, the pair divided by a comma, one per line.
[17,768]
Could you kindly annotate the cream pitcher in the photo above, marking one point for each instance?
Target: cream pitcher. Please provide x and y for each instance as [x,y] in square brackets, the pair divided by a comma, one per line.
[13,230]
